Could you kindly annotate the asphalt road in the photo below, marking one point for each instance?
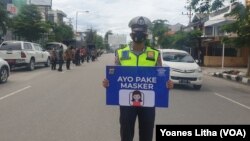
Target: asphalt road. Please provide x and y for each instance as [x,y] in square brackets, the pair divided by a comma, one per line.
[46,105]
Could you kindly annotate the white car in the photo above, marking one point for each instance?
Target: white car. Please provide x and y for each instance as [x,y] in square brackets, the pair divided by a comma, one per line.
[21,53]
[4,71]
[183,68]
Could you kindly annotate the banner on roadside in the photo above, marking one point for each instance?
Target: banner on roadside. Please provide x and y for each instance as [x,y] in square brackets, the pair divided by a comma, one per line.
[137,86]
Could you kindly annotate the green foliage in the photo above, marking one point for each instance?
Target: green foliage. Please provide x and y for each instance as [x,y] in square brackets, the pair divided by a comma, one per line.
[93,38]
[201,6]
[241,26]
[28,24]
[3,19]
[63,32]
[99,42]
[159,29]
[217,4]
[194,3]
[207,6]
[181,39]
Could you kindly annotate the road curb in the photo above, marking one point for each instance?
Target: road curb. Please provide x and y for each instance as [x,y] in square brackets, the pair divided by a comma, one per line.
[236,78]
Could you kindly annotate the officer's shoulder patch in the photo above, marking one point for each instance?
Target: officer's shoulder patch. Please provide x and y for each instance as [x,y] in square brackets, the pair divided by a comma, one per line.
[150,55]
[125,55]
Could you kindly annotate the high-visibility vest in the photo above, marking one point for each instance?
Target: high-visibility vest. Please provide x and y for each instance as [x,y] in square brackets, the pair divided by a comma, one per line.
[128,58]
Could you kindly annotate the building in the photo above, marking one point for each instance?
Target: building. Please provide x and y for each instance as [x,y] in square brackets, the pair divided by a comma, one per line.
[212,46]
[56,16]
[176,27]
[212,27]
[210,50]
[117,40]
[44,6]
[197,22]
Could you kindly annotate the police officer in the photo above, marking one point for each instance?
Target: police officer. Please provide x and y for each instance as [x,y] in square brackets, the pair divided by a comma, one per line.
[137,54]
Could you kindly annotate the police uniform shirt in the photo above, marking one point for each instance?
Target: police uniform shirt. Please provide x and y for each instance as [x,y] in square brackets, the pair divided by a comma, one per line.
[137,53]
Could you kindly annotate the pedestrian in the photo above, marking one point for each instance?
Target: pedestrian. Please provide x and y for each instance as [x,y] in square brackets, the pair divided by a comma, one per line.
[137,54]
[73,54]
[53,58]
[93,55]
[60,58]
[77,57]
[88,54]
[68,57]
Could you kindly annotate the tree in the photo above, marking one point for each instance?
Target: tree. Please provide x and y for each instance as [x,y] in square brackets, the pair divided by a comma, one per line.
[189,39]
[159,30]
[28,25]
[63,32]
[99,41]
[207,6]
[92,38]
[241,27]
[3,19]
[201,6]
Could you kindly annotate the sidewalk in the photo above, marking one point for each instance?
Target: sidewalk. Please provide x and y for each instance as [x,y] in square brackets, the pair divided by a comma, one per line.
[234,74]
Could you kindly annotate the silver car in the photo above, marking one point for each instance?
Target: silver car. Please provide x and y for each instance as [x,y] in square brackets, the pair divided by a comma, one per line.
[184,70]
[4,71]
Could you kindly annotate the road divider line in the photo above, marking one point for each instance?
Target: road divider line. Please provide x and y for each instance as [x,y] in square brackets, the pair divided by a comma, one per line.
[15,92]
[233,101]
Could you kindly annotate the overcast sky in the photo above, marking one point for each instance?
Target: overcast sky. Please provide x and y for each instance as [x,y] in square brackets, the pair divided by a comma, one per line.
[114,15]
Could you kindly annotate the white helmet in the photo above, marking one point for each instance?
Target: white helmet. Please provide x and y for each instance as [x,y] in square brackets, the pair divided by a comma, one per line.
[140,23]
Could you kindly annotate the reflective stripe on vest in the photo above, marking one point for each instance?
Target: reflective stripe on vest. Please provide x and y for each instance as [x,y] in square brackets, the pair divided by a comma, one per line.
[147,58]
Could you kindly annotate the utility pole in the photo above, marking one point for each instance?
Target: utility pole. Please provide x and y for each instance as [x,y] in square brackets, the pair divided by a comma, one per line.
[77,16]
[189,11]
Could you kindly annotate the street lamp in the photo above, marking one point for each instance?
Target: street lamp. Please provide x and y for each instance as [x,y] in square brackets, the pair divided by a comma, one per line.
[77,16]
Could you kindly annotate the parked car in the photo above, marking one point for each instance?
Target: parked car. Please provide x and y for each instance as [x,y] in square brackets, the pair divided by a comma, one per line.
[55,45]
[184,69]
[22,53]
[4,71]
[50,45]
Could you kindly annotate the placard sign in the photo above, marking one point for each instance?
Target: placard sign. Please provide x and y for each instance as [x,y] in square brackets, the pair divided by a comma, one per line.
[137,86]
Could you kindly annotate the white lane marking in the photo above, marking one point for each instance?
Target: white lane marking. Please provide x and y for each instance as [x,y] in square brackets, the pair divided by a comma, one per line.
[233,101]
[15,92]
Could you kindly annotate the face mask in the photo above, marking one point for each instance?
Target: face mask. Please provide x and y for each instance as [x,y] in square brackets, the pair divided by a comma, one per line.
[139,37]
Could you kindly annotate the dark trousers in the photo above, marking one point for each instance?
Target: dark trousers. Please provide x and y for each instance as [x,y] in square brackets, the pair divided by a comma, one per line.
[60,65]
[146,119]
[53,65]
[68,64]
